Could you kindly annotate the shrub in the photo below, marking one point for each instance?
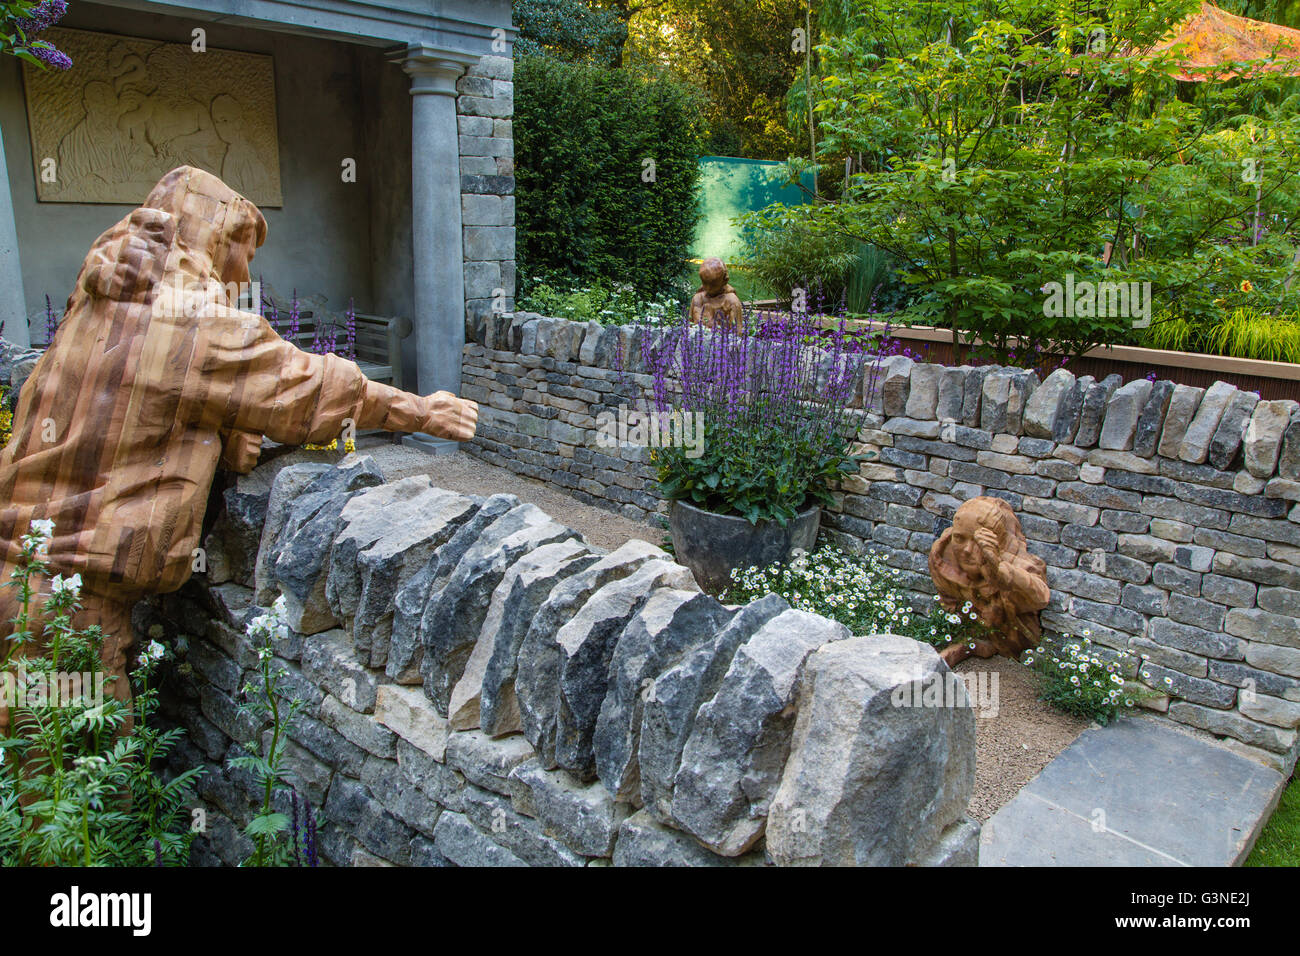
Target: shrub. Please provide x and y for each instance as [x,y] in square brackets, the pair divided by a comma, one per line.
[1003,154]
[774,411]
[584,209]
[75,788]
[788,255]
[863,593]
[1242,333]
[22,21]
[597,302]
[279,839]
[1077,680]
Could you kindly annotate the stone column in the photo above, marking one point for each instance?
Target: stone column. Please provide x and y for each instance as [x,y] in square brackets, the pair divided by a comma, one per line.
[439,320]
[13,304]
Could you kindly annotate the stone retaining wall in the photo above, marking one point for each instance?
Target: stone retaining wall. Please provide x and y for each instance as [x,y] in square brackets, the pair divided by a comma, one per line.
[1166,513]
[482,687]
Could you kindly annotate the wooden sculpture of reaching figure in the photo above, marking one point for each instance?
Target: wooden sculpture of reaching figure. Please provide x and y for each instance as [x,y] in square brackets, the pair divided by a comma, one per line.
[716,302]
[983,560]
[153,378]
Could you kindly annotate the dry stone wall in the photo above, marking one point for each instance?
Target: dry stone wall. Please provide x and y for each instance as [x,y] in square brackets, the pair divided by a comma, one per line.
[1168,515]
[482,687]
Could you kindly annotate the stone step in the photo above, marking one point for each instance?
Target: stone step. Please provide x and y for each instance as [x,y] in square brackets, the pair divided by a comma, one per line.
[1136,793]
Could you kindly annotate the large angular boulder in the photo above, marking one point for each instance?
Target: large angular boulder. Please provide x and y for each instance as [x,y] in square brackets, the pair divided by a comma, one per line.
[16,365]
[1182,408]
[303,551]
[453,618]
[1123,410]
[287,485]
[679,691]
[527,662]
[1263,441]
[388,534]
[1232,430]
[523,589]
[574,629]
[733,759]
[1045,403]
[882,761]
[669,623]
[231,547]
[405,652]
[585,647]
[1195,447]
[1095,400]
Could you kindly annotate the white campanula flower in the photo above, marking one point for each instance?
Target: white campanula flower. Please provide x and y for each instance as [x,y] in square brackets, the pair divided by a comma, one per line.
[42,528]
[71,585]
[155,651]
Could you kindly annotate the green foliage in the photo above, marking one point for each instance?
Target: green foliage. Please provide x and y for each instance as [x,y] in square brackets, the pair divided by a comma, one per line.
[1001,149]
[785,253]
[584,209]
[568,30]
[767,475]
[1078,680]
[1243,333]
[277,841]
[77,785]
[603,302]
[863,593]
[20,23]
[740,54]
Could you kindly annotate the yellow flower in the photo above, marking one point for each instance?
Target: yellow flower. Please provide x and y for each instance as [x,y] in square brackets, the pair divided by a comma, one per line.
[6,419]
[1246,286]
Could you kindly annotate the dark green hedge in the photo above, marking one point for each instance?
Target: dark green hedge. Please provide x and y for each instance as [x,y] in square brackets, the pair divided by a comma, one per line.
[582,210]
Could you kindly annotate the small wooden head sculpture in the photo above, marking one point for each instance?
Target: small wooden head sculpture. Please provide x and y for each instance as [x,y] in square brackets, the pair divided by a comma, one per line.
[715,301]
[983,559]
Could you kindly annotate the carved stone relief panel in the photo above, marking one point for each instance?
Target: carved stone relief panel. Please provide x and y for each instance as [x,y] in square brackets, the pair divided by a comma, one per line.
[129,110]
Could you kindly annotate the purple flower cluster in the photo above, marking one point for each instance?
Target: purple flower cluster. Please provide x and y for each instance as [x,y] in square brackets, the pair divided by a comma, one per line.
[786,379]
[43,16]
[351,324]
[55,59]
[51,322]
[303,832]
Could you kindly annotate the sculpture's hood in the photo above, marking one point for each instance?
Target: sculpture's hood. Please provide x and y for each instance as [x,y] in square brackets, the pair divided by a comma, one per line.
[192,227]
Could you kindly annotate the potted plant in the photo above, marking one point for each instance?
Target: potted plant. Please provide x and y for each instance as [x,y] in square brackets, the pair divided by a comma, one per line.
[771,405]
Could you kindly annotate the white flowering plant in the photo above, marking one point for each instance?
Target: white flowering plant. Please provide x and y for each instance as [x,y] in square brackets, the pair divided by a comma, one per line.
[862,592]
[607,303]
[1076,678]
[279,838]
[77,780]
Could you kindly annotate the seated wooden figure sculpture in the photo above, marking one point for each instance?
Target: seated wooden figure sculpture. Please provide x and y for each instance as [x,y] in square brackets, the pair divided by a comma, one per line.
[716,301]
[983,559]
[153,378]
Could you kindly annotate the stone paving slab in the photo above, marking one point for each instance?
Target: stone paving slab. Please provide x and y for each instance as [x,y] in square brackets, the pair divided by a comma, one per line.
[1136,793]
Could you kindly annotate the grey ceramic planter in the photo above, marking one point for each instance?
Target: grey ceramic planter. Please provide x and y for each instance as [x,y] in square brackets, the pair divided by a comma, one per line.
[711,545]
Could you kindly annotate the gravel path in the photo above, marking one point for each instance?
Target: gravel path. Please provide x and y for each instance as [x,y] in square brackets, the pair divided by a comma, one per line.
[1021,740]
[460,472]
